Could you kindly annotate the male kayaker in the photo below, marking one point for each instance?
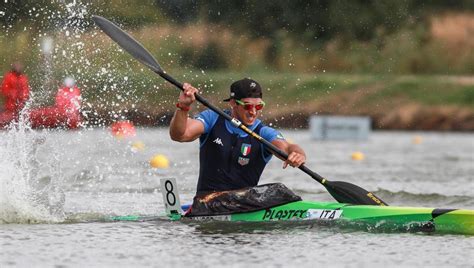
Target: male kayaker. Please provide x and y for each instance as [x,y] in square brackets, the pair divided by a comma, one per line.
[230,159]
[16,91]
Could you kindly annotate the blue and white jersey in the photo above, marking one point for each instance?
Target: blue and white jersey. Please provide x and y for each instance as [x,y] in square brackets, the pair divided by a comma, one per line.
[229,157]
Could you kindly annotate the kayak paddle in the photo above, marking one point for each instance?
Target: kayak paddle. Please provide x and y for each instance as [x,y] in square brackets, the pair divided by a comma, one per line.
[343,192]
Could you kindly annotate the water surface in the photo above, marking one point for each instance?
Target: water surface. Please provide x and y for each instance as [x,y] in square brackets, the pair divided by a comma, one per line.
[58,188]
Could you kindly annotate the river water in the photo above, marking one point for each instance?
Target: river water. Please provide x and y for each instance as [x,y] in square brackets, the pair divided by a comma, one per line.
[59,189]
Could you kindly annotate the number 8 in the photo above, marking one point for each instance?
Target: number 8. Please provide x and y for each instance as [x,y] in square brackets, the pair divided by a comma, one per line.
[170,192]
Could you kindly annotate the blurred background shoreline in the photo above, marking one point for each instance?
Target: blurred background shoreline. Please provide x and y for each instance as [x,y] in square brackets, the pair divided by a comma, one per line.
[406,64]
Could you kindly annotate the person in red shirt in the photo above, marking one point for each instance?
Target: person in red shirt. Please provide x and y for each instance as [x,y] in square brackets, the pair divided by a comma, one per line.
[15,91]
[64,113]
[68,102]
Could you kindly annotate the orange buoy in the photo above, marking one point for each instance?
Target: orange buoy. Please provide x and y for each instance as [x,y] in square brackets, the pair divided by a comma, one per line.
[123,129]
[417,140]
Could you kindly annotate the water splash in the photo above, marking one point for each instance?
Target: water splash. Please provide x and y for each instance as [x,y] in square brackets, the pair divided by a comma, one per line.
[29,179]
[30,172]
[29,191]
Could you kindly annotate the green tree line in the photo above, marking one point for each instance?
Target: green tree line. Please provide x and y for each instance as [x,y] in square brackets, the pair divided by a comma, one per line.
[333,35]
[313,20]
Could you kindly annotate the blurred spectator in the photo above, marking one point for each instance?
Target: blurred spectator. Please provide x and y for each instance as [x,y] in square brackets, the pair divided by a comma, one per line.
[64,113]
[16,91]
[68,101]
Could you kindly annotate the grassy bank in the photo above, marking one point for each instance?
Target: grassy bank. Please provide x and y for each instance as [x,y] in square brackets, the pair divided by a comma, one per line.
[393,102]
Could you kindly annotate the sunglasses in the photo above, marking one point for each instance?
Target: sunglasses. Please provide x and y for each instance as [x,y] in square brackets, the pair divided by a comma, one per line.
[248,106]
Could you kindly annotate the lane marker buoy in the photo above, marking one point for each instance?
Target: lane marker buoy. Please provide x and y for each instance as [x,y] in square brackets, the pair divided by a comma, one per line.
[159,161]
[123,129]
[138,146]
[358,156]
[417,140]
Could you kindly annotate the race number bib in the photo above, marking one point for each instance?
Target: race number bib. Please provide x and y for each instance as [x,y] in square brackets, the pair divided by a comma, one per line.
[169,190]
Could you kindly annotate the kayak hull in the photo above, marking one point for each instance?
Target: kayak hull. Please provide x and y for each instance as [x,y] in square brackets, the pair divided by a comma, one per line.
[390,218]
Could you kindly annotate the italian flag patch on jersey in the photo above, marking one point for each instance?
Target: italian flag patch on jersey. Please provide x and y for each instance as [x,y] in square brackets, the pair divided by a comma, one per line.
[245,149]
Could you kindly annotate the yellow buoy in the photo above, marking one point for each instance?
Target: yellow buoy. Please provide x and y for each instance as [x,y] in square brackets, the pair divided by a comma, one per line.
[358,156]
[159,161]
[417,139]
[138,146]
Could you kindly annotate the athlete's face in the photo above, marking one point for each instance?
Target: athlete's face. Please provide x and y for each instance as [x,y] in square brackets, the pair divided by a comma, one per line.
[247,110]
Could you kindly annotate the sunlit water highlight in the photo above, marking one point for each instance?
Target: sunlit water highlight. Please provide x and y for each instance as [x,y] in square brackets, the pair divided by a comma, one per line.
[81,178]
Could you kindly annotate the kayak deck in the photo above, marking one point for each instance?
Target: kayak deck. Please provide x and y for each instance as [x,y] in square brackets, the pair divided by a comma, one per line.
[447,221]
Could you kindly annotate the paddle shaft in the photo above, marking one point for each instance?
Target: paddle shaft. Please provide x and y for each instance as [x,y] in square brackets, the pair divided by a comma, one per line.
[239,124]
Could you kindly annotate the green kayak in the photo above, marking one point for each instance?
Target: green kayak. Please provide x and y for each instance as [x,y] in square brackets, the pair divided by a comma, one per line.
[383,218]
[364,217]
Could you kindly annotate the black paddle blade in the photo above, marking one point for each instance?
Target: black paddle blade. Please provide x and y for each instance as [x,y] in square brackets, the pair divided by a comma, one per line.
[128,43]
[345,192]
